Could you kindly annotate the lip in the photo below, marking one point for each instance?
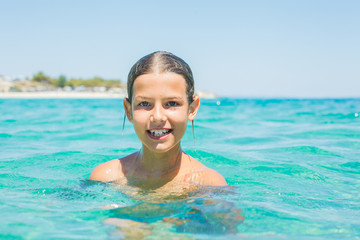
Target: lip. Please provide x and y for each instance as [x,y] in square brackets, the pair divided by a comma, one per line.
[160,137]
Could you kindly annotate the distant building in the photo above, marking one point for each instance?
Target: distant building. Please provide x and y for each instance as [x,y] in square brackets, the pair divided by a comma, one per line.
[5,86]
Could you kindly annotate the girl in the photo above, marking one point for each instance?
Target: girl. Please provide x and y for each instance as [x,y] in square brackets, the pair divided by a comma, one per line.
[160,102]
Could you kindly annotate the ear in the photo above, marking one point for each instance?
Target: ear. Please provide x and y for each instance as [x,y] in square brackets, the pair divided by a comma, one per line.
[193,108]
[127,107]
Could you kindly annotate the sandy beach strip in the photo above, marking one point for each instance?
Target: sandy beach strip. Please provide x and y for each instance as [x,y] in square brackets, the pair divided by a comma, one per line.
[81,95]
[49,95]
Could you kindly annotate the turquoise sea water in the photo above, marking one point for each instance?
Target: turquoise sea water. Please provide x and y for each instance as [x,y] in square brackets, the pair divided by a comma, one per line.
[294,168]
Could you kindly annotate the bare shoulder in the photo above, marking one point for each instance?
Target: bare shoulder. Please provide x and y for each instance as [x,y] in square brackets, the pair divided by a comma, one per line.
[203,175]
[211,177]
[112,170]
[107,172]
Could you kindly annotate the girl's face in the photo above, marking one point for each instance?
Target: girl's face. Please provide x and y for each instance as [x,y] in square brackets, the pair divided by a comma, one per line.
[160,110]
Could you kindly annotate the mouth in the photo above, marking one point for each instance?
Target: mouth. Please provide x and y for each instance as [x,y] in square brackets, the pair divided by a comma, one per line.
[159,133]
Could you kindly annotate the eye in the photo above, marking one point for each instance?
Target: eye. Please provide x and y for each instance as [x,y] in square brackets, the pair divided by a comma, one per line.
[144,104]
[172,104]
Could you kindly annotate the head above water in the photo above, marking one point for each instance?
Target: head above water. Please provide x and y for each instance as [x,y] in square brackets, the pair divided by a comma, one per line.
[161,62]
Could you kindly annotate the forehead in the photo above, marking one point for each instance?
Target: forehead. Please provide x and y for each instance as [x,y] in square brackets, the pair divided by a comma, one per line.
[160,84]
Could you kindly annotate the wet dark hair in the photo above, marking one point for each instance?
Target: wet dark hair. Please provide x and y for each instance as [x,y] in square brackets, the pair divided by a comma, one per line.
[161,62]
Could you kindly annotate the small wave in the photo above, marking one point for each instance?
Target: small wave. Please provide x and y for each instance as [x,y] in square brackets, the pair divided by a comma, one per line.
[66,193]
[90,136]
[18,180]
[247,140]
[334,116]
[305,114]
[352,165]
[311,150]
[9,121]
[83,191]
[337,133]
[5,135]
[291,170]
[349,167]
[211,158]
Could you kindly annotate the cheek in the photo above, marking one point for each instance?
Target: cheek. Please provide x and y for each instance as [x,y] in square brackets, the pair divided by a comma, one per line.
[139,117]
[179,117]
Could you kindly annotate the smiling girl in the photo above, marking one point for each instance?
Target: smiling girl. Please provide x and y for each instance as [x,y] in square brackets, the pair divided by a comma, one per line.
[160,102]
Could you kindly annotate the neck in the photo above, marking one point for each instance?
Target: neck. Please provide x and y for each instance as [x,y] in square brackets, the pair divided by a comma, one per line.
[159,164]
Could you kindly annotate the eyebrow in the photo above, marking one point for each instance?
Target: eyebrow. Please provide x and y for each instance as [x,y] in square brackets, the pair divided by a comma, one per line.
[174,98]
[141,98]
[166,98]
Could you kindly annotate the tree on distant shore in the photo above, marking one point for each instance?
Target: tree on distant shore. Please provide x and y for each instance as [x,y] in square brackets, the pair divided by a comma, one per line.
[61,81]
[94,82]
[42,78]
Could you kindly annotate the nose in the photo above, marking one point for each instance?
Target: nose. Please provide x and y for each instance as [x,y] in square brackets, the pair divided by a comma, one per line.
[158,114]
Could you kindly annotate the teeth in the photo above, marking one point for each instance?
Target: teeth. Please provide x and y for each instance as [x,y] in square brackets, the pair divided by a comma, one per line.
[159,133]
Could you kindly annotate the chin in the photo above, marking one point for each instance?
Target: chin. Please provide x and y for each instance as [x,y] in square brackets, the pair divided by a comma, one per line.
[160,148]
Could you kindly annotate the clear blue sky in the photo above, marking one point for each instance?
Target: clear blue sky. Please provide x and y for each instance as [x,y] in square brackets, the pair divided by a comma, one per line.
[304,48]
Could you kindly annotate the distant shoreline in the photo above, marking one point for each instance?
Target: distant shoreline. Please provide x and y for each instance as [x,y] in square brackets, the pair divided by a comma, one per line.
[78,95]
[52,94]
